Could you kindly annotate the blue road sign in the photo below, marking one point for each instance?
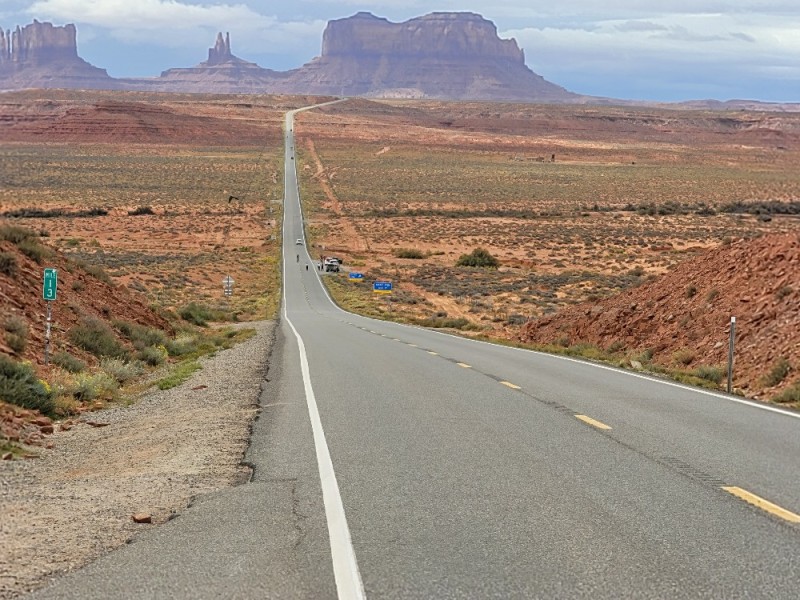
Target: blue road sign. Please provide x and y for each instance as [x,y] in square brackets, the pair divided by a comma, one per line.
[354,275]
[50,284]
[382,287]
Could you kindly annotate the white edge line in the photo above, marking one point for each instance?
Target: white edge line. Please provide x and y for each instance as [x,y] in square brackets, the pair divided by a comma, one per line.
[343,556]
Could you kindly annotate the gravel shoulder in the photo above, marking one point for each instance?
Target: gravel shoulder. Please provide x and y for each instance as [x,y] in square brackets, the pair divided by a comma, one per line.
[76,502]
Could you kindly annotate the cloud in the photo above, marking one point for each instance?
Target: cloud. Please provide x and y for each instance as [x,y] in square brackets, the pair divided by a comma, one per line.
[640,26]
[146,14]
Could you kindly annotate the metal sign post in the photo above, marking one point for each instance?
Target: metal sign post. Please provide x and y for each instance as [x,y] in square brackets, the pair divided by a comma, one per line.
[49,293]
[227,286]
[730,354]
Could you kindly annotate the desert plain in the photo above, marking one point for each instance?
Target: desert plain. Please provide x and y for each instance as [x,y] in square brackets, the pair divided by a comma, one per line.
[170,193]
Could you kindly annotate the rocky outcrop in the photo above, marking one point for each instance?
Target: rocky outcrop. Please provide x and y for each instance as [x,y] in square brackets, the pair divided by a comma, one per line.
[440,35]
[222,73]
[43,55]
[441,55]
[689,310]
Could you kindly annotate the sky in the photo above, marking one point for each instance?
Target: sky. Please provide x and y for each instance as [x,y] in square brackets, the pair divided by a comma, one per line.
[669,50]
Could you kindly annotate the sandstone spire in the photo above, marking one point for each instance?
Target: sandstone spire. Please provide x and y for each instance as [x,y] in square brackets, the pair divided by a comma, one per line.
[221,52]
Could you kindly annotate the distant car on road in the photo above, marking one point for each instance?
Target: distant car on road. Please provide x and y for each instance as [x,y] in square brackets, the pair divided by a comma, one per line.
[299,242]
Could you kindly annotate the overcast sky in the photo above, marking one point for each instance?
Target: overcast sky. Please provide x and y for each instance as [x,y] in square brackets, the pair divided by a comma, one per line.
[683,49]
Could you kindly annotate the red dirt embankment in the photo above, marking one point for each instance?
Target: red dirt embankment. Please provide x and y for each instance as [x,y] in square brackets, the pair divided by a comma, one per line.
[690,309]
[80,294]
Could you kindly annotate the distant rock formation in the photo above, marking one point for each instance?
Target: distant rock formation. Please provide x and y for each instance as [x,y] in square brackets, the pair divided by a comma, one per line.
[221,52]
[43,55]
[441,55]
[222,73]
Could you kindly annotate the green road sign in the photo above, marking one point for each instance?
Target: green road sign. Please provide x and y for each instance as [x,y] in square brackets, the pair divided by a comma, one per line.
[50,284]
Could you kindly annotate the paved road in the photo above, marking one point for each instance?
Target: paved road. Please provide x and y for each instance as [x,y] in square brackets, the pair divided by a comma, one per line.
[393,462]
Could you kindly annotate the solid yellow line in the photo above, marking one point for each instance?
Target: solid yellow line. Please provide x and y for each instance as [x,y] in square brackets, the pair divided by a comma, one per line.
[592,422]
[511,385]
[465,365]
[766,505]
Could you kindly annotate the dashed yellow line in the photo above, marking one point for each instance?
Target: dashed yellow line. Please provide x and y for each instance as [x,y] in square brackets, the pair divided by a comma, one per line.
[432,353]
[511,385]
[765,505]
[413,345]
[592,422]
[464,365]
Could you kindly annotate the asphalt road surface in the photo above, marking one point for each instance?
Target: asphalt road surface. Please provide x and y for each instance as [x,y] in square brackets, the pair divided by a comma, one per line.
[394,462]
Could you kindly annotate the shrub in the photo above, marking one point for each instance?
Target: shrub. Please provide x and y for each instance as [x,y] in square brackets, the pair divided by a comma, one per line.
[691,291]
[97,272]
[197,314]
[19,385]
[8,263]
[477,258]
[16,333]
[153,355]
[181,346]
[684,356]
[95,386]
[712,295]
[121,370]
[409,253]
[778,372]
[139,335]
[789,395]
[96,337]
[33,250]
[713,373]
[14,234]
[783,292]
[68,362]
[444,323]
[141,210]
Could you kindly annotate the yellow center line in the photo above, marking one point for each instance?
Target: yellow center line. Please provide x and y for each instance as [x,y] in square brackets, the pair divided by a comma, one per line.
[433,353]
[511,385]
[464,365]
[592,422]
[766,505]
[413,345]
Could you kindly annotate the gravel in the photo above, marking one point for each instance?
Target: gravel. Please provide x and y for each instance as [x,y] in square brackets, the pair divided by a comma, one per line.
[76,502]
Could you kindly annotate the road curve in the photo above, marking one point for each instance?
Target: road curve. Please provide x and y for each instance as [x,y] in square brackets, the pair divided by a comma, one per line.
[395,462]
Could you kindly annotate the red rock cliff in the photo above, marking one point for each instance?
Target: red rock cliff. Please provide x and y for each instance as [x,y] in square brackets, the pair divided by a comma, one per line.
[443,35]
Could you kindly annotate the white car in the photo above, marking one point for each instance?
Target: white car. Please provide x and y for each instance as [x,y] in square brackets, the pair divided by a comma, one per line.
[299,242]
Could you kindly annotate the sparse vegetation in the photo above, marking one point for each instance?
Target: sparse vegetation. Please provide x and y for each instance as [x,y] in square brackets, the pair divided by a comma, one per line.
[121,370]
[790,395]
[16,333]
[778,372]
[19,385]
[68,362]
[139,335]
[684,356]
[96,337]
[8,264]
[180,374]
[199,314]
[153,355]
